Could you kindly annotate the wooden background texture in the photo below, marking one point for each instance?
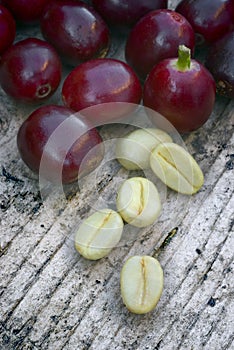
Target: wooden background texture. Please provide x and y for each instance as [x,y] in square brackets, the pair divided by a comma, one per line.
[51,298]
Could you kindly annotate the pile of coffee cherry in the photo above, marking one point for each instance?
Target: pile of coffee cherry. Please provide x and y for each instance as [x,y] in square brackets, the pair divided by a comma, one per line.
[159,68]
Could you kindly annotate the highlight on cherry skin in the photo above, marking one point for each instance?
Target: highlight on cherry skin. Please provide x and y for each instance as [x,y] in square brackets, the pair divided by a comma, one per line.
[30,70]
[81,34]
[59,139]
[158,35]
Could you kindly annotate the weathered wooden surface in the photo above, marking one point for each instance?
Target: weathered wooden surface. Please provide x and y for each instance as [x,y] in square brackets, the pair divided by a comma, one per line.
[51,298]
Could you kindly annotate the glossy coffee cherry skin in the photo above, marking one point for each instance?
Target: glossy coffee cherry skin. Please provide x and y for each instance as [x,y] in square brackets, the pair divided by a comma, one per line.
[26,10]
[126,12]
[184,97]
[7,29]
[52,129]
[220,63]
[209,19]
[30,70]
[101,81]
[76,30]
[155,37]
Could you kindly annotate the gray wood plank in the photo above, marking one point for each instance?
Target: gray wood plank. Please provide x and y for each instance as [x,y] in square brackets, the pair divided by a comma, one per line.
[51,298]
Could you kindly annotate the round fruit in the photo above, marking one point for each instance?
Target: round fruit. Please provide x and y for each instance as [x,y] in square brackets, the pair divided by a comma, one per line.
[30,70]
[209,19]
[126,12]
[76,30]
[155,37]
[100,81]
[182,90]
[7,29]
[220,63]
[53,141]
[26,10]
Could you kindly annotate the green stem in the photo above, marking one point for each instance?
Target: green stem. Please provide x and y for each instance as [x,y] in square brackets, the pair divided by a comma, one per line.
[184,58]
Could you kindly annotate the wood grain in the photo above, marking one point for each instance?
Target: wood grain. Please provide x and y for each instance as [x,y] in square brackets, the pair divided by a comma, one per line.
[51,298]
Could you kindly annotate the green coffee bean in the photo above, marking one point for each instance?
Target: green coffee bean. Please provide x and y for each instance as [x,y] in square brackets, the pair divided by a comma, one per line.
[98,234]
[133,150]
[138,202]
[176,168]
[141,283]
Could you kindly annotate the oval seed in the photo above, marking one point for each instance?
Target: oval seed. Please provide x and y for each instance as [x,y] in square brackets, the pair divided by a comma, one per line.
[138,202]
[141,283]
[133,150]
[176,168]
[98,234]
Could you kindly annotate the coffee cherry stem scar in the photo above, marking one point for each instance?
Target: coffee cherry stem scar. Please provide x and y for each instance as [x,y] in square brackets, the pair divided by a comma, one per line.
[43,91]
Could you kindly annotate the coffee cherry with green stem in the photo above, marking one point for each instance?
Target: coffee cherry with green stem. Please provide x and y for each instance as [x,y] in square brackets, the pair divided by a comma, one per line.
[182,90]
